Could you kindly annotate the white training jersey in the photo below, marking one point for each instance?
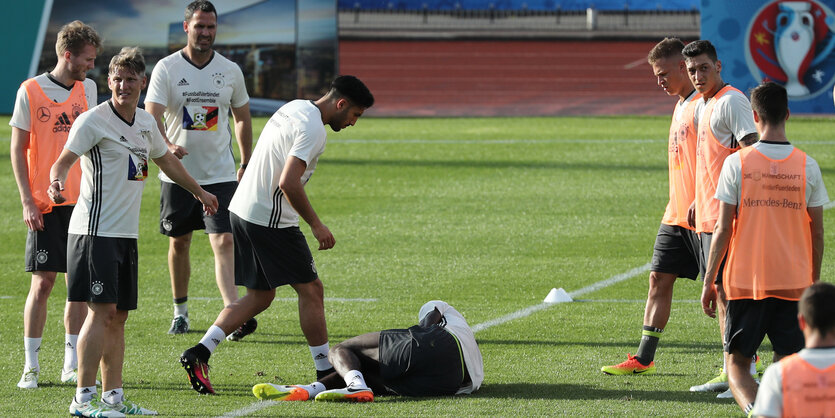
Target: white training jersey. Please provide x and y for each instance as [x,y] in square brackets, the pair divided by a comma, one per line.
[53,89]
[732,118]
[296,129]
[729,187]
[197,102]
[114,164]
[458,326]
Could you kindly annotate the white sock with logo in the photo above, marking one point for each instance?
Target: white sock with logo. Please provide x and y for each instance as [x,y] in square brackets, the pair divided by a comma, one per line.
[85,394]
[213,337]
[70,353]
[320,356]
[113,396]
[31,347]
[354,378]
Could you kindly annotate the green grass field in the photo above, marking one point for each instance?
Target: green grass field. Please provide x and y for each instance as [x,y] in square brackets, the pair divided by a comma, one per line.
[487,214]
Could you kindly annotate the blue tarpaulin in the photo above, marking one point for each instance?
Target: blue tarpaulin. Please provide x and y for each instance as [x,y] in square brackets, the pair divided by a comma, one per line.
[549,5]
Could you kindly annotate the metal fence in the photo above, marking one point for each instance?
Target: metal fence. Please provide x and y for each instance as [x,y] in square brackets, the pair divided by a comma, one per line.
[359,22]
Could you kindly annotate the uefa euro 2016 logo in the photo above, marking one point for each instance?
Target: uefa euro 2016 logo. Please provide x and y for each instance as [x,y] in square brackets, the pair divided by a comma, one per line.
[792,43]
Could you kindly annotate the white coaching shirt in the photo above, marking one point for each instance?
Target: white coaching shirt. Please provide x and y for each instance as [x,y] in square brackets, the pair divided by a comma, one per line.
[296,129]
[114,165]
[732,118]
[53,89]
[197,102]
[457,325]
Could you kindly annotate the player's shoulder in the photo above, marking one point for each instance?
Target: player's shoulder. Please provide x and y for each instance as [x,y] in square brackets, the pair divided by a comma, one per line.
[90,84]
[732,98]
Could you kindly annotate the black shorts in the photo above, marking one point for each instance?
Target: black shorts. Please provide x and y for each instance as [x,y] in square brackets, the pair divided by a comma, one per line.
[676,251]
[748,321]
[266,258]
[421,361]
[706,239]
[102,270]
[46,250]
[180,213]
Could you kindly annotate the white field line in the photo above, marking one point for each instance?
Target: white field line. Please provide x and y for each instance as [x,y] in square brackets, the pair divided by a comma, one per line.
[531,309]
[631,301]
[254,407]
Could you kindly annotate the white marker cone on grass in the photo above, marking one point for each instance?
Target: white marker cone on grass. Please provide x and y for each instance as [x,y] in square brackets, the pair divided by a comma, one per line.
[557,296]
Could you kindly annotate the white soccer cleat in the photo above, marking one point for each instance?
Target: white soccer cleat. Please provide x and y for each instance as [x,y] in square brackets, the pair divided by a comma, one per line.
[349,394]
[725,395]
[29,380]
[93,408]
[128,407]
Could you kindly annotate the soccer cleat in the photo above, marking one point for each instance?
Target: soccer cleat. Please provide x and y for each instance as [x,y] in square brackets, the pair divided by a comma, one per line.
[717,384]
[93,408]
[130,408]
[269,391]
[349,394]
[725,395]
[69,376]
[29,380]
[630,366]
[198,372]
[179,325]
[247,328]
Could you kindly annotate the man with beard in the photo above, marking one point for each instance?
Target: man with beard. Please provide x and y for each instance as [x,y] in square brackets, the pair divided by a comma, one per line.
[270,249]
[194,89]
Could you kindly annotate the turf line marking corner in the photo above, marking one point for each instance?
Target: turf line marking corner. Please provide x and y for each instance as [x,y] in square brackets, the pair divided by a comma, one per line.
[254,407]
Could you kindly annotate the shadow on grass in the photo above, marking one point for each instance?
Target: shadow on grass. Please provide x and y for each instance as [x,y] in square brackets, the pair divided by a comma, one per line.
[562,165]
[692,346]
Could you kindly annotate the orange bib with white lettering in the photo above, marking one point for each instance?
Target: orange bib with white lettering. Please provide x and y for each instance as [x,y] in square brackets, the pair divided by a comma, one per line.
[681,161]
[771,247]
[49,129]
[807,390]
[710,155]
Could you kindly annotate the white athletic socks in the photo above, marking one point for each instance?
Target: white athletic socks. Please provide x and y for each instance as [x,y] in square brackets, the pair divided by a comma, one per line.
[354,378]
[70,353]
[320,356]
[85,394]
[31,347]
[181,309]
[113,396]
[213,337]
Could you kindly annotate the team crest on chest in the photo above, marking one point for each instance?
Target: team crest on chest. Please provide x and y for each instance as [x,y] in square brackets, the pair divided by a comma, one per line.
[218,80]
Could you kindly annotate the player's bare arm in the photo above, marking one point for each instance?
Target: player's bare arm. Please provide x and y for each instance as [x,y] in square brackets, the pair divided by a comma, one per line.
[816,224]
[243,134]
[173,168]
[157,110]
[718,247]
[291,184]
[32,216]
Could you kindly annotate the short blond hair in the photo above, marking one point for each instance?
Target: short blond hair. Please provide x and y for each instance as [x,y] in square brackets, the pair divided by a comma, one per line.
[129,58]
[74,36]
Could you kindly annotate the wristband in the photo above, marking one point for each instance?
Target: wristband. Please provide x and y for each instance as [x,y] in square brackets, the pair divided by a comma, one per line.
[243,165]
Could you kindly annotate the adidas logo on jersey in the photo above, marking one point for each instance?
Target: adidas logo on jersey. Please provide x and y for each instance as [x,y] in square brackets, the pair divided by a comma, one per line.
[183,82]
[62,124]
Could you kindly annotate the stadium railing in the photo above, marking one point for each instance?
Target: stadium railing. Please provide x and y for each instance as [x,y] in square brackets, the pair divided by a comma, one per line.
[589,23]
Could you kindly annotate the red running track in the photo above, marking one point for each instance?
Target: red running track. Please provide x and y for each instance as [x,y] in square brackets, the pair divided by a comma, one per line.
[506,78]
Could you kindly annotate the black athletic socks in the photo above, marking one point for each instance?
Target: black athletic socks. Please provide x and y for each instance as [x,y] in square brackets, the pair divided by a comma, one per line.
[649,342]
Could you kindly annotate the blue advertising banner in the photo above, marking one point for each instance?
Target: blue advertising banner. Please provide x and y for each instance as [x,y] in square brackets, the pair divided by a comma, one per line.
[788,42]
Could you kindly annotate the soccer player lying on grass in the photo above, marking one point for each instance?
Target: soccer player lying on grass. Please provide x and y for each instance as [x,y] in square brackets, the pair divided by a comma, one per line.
[437,357]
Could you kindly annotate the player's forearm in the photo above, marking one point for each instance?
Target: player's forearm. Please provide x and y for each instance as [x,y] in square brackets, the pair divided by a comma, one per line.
[816,225]
[719,241]
[62,166]
[21,170]
[243,133]
[297,197]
